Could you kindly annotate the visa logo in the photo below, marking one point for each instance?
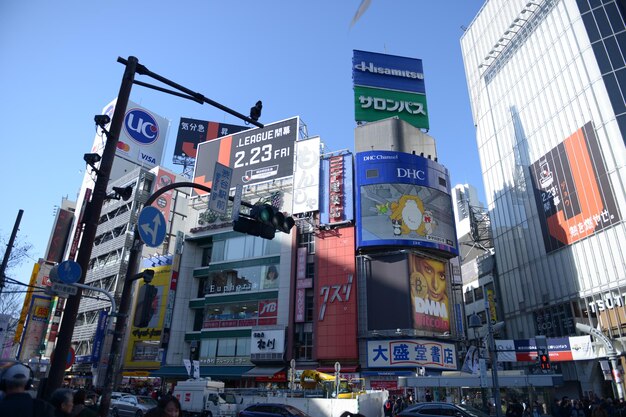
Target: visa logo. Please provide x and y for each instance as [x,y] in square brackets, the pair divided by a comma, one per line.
[148,158]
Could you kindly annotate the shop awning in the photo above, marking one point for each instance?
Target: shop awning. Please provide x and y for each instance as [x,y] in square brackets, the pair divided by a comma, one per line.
[263,371]
[212,371]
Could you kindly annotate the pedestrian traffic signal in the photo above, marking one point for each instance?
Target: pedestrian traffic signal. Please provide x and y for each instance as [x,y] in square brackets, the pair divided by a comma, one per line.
[544,361]
[145,309]
[263,221]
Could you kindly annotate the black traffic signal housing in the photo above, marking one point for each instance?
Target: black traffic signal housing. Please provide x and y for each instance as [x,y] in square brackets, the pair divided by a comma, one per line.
[264,220]
[544,360]
[144,310]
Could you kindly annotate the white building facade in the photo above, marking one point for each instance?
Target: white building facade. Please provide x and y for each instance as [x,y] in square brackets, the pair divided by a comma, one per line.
[547,83]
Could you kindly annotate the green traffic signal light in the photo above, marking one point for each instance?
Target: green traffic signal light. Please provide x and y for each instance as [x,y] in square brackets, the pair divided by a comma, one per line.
[263,221]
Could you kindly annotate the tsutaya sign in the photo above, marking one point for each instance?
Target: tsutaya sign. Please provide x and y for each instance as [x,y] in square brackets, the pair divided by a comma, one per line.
[609,301]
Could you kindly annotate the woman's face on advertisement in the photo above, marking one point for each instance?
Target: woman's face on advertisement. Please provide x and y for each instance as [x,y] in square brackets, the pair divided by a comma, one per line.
[435,274]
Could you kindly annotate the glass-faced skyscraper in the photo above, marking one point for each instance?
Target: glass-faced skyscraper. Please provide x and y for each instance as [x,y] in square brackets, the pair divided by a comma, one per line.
[547,83]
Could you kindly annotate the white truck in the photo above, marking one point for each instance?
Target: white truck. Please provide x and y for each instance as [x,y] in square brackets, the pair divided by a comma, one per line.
[205,398]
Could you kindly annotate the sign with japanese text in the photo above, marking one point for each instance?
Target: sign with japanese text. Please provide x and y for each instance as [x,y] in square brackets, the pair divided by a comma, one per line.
[256,155]
[411,353]
[336,189]
[164,201]
[300,305]
[572,190]
[218,200]
[192,132]
[306,176]
[267,341]
[35,329]
[371,104]
[404,200]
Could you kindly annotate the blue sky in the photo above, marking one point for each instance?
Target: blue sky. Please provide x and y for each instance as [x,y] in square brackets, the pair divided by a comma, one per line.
[59,68]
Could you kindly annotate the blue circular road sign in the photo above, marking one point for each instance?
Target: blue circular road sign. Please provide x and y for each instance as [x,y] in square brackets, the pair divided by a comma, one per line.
[69,272]
[151,226]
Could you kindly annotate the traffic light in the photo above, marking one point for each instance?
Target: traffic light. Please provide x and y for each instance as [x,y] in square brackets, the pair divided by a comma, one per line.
[263,221]
[544,361]
[145,308]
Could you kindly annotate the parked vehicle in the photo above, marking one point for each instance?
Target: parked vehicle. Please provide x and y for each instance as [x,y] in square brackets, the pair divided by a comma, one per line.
[431,409]
[205,398]
[131,405]
[272,410]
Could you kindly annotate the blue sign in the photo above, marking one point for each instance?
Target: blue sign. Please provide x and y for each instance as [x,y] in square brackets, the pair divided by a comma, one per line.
[403,200]
[98,338]
[151,226]
[141,126]
[69,272]
[391,72]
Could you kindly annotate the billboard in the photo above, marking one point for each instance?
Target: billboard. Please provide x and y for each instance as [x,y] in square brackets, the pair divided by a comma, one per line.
[58,240]
[306,176]
[572,190]
[418,286]
[411,353]
[429,294]
[145,342]
[256,155]
[388,85]
[575,348]
[336,189]
[192,132]
[36,326]
[164,201]
[335,318]
[404,200]
[371,104]
[142,139]
[390,72]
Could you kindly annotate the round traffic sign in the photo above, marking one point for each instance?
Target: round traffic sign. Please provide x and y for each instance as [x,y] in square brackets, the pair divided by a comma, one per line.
[69,272]
[151,226]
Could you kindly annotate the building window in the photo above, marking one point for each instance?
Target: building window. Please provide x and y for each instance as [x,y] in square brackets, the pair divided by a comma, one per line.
[310,270]
[469,297]
[206,255]
[478,293]
[308,305]
[304,345]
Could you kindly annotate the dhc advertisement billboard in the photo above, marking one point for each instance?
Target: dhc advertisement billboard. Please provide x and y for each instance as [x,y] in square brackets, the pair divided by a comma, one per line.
[404,200]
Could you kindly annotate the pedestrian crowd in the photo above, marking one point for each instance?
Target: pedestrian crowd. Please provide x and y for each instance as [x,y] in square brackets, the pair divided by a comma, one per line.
[16,400]
[568,407]
[396,403]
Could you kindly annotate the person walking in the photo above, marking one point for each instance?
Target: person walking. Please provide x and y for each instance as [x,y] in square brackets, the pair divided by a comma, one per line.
[388,407]
[62,399]
[15,381]
[80,409]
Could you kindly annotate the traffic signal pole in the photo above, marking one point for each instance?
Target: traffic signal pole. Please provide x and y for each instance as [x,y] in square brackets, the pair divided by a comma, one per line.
[91,218]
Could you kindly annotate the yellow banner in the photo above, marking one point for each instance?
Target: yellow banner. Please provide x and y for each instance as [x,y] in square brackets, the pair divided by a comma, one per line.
[145,342]
[29,295]
[493,315]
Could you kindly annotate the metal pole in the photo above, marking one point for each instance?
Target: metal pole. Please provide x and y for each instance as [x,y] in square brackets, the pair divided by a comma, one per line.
[94,209]
[120,326]
[494,369]
[7,253]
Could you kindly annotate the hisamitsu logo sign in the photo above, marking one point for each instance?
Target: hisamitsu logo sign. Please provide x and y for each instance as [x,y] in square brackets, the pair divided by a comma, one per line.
[391,72]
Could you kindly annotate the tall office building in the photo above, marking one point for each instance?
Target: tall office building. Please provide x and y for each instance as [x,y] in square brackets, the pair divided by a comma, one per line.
[547,84]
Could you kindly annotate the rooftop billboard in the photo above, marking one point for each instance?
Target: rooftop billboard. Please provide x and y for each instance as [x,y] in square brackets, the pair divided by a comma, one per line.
[192,132]
[388,85]
[256,155]
[404,200]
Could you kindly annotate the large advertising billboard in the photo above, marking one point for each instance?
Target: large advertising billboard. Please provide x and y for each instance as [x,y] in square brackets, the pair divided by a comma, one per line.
[192,132]
[58,240]
[256,155]
[371,104]
[418,286]
[387,86]
[145,342]
[404,200]
[572,190]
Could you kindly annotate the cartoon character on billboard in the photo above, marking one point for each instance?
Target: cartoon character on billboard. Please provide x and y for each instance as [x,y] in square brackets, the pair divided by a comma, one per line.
[429,296]
[408,215]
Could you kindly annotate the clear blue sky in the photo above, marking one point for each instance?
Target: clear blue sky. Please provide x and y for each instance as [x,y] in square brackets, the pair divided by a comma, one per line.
[59,69]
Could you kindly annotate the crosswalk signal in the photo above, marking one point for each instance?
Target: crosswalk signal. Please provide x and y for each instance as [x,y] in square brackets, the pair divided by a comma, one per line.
[544,361]
[145,305]
[263,221]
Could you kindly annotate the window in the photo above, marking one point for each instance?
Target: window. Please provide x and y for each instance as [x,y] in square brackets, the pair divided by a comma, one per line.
[304,345]
[478,293]
[308,240]
[469,296]
[227,347]
[206,255]
[308,305]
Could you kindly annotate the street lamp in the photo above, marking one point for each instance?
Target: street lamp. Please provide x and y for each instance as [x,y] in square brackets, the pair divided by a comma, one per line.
[474,322]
